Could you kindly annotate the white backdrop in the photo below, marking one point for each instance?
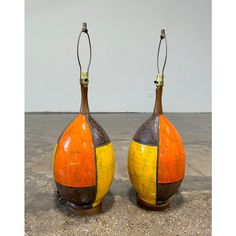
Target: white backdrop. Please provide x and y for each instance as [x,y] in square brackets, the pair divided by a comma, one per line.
[124,37]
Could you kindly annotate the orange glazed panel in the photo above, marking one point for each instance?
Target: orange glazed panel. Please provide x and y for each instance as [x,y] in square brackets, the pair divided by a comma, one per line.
[171,158]
[74,163]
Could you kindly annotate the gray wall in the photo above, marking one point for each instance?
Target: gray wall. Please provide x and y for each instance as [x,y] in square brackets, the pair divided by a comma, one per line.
[124,38]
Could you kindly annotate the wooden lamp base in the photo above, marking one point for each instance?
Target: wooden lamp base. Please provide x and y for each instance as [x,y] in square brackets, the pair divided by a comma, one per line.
[81,211]
[158,207]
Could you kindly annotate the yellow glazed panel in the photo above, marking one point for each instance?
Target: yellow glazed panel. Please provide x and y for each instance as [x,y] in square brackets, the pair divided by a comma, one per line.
[105,170]
[142,161]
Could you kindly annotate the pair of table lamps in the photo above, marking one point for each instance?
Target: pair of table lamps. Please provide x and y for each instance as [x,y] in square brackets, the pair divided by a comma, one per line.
[83,161]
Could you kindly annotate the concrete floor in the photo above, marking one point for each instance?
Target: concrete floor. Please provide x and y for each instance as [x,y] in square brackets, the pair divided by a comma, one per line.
[191,207]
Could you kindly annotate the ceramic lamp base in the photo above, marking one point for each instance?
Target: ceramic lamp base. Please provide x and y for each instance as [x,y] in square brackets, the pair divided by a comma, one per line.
[78,210]
[159,207]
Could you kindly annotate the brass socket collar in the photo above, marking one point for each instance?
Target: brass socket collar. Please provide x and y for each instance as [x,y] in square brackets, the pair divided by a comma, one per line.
[84,78]
[159,80]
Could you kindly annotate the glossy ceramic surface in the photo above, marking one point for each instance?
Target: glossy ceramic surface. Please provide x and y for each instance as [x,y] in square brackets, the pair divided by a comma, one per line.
[156,160]
[83,162]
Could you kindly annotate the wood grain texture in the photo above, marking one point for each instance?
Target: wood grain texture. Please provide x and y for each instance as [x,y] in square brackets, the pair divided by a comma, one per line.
[158,103]
[84,107]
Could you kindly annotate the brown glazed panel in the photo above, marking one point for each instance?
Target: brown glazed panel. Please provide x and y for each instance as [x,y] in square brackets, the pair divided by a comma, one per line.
[100,136]
[148,132]
[165,191]
[82,196]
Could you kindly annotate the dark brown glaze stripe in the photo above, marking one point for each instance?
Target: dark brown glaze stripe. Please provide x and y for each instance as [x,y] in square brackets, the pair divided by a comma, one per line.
[148,132]
[167,190]
[82,196]
[100,136]
[92,133]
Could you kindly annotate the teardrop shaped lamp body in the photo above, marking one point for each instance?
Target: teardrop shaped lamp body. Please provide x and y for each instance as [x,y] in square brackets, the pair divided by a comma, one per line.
[83,161]
[156,162]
